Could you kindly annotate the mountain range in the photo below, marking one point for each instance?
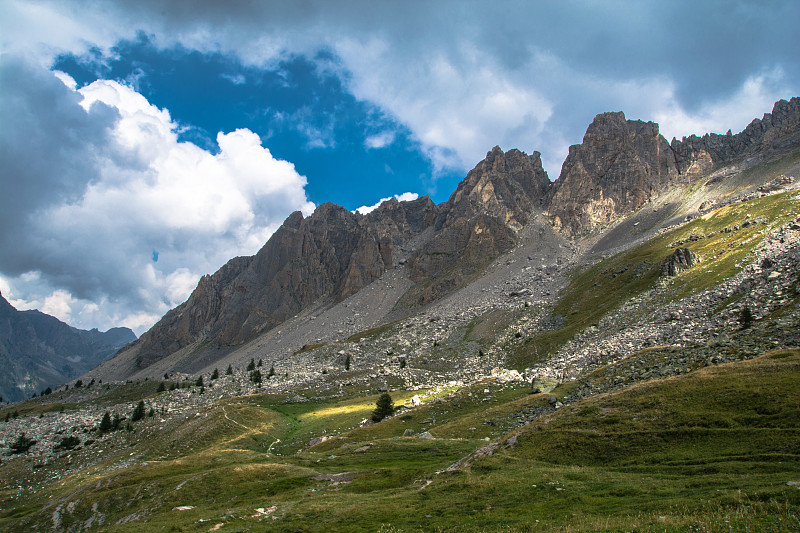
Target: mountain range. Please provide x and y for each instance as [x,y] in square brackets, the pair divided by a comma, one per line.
[38,351]
[623,169]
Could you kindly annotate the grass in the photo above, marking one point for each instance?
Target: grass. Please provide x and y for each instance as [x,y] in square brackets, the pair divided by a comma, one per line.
[709,450]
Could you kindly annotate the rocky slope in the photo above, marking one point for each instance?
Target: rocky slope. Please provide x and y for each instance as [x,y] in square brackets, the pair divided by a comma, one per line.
[38,351]
[312,264]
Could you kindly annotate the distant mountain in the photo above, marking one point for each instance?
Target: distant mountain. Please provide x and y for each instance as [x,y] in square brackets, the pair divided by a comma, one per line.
[39,351]
[316,262]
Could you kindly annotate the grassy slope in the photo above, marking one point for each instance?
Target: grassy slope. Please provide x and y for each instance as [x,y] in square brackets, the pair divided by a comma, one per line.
[607,285]
[717,444]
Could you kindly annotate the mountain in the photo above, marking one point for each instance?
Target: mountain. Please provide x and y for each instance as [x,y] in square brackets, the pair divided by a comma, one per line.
[310,265]
[39,351]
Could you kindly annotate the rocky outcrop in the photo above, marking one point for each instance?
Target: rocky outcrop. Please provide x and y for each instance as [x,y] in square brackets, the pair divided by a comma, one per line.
[622,165]
[39,351]
[678,261]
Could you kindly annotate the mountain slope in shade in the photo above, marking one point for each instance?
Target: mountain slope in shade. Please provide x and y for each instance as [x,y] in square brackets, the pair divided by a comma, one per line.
[39,351]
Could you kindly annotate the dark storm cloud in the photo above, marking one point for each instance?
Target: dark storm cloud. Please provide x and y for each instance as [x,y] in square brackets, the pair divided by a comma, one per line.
[47,152]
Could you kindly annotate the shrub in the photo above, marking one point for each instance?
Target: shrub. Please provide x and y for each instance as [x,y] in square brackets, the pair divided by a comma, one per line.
[67,443]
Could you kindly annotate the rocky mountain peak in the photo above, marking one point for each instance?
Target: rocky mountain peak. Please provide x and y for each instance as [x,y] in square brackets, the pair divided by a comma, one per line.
[621,165]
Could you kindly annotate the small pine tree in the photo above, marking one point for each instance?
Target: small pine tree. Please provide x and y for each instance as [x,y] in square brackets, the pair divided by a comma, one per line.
[105,423]
[161,387]
[259,363]
[347,362]
[78,384]
[199,381]
[251,365]
[22,444]
[746,318]
[215,374]
[255,376]
[402,363]
[116,422]
[138,412]
[151,413]
[229,371]
[383,407]
[271,371]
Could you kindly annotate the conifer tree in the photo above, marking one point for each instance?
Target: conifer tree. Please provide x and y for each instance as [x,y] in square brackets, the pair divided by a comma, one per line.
[229,371]
[138,411]
[215,374]
[383,407]
[105,423]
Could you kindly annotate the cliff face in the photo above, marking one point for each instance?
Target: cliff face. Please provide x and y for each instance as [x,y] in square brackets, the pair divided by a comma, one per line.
[39,351]
[329,255]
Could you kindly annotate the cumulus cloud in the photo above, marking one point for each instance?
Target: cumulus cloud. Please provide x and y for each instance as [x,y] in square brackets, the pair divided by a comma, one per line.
[405,197]
[103,182]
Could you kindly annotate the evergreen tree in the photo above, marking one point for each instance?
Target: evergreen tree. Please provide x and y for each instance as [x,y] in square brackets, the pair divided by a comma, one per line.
[347,362]
[138,412]
[78,384]
[746,318]
[215,374]
[151,413]
[199,381]
[259,363]
[229,371]
[161,387]
[383,407]
[251,365]
[22,444]
[271,371]
[105,423]
[255,376]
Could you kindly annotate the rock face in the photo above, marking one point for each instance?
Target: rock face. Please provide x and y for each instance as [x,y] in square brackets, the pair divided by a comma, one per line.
[39,351]
[778,130]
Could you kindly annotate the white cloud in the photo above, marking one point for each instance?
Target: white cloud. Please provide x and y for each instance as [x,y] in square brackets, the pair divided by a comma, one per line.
[405,197]
[147,191]
[380,140]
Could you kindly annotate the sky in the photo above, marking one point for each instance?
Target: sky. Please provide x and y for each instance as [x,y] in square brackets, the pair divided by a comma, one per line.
[144,144]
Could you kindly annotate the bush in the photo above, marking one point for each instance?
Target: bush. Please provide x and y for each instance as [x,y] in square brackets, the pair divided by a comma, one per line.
[383,407]
[67,443]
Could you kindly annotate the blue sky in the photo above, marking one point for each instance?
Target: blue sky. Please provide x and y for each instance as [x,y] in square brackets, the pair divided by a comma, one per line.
[144,144]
